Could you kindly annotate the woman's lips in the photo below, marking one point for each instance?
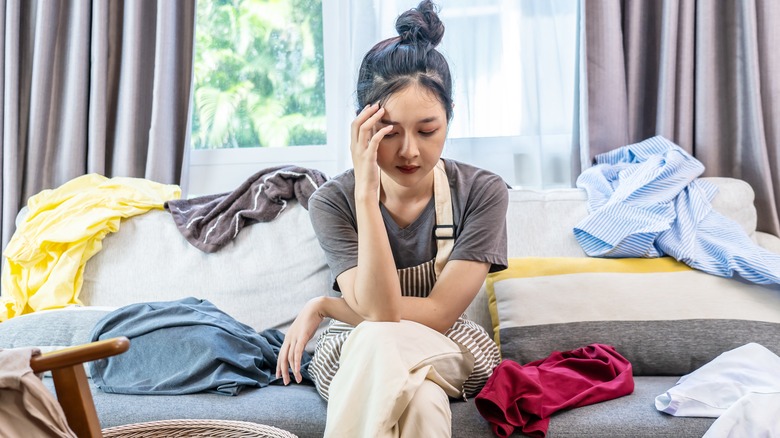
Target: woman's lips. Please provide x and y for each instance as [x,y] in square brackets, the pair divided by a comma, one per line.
[408,169]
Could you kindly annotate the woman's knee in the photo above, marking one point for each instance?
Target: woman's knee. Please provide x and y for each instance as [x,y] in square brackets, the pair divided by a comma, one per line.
[431,395]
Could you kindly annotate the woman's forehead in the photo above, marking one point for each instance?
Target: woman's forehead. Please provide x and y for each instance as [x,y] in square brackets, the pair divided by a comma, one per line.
[413,104]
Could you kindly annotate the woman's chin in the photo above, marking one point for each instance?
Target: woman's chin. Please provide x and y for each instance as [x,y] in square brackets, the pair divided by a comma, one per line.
[407,179]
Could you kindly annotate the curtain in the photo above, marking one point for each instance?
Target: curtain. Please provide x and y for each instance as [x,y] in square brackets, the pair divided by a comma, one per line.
[92,86]
[704,74]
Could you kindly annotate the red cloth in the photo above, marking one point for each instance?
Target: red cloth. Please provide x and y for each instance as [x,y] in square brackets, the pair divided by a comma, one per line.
[525,396]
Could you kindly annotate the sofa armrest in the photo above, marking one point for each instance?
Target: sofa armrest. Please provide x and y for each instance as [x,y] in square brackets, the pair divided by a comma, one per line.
[77,355]
[768,241]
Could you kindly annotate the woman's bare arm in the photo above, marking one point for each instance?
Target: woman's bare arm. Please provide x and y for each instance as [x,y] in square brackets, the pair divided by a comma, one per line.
[378,292]
[454,290]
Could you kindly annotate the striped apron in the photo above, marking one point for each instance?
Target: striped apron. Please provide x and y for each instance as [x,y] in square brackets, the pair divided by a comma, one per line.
[418,281]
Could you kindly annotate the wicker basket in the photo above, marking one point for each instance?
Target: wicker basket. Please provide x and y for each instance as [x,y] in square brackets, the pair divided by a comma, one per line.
[195,428]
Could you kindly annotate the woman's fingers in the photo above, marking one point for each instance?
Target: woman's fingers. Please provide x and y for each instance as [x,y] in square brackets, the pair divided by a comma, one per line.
[281,363]
[364,114]
[358,121]
[295,340]
[363,125]
[378,136]
[297,362]
[291,362]
[290,356]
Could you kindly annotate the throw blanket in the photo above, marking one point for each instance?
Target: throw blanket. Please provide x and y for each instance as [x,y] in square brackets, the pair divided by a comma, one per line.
[645,201]
[185,346]
[210,222]
[741,387]
[63,229]
[524,396]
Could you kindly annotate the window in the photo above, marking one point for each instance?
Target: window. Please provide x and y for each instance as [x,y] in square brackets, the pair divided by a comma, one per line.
[259,74]
[513,65]
[259,90]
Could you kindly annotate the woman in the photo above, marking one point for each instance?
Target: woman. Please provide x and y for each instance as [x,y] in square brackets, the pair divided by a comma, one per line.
[409,239]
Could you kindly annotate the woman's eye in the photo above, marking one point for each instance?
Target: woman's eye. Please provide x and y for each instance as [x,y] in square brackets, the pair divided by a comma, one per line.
[391,134]
[428,133]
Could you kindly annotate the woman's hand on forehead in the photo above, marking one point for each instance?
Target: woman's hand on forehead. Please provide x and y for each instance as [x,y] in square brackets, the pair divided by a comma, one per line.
[365,139]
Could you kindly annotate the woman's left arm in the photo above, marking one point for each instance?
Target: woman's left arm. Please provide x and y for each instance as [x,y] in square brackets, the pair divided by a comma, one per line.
[456,287]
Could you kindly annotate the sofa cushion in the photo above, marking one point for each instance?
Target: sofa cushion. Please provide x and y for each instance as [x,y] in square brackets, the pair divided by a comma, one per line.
[262,278]
[540,223]
[664,317]
[51,329]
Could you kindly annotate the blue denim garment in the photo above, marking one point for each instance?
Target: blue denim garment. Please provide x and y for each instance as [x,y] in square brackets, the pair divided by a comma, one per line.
[185,346]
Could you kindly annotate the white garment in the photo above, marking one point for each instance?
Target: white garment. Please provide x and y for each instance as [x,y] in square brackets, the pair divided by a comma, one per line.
[741,387]
[754,415]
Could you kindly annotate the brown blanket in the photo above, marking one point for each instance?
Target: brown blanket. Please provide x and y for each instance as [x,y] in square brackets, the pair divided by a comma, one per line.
[209,222]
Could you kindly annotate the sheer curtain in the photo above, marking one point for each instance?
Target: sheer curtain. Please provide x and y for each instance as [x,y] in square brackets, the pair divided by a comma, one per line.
[514,71]
[91,86]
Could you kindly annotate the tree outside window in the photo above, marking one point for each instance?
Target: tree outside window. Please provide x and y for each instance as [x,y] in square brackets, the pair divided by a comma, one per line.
[259,74]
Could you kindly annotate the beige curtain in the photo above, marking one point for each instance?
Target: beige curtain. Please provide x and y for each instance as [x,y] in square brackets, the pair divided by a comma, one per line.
[703,73]
[91,86]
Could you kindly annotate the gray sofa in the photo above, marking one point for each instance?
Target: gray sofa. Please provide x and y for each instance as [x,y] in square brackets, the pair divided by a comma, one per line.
[271,269]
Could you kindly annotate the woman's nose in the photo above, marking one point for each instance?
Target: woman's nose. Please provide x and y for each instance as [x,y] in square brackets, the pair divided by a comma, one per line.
[409,149]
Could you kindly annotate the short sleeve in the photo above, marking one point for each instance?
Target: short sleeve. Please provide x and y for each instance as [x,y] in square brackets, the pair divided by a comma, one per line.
[336,229]
[482,234]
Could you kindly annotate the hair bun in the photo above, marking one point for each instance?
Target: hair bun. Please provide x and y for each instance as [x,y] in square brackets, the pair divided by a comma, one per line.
[420,25]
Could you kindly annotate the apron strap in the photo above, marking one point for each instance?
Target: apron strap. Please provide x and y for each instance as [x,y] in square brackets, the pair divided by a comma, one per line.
[444,230]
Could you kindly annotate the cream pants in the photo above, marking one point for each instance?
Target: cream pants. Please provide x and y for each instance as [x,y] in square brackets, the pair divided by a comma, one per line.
[395,380]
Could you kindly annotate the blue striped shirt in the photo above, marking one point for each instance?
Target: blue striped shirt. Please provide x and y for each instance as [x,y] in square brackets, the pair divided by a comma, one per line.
[645,200]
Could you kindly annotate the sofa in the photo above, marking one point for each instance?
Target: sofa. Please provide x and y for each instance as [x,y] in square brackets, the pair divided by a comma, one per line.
[271,269]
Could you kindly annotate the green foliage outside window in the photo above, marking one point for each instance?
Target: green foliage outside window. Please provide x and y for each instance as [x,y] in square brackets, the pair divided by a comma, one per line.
[259,74]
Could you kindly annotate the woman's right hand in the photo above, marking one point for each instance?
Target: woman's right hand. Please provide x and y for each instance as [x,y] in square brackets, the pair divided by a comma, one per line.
[364,143]
[296,338]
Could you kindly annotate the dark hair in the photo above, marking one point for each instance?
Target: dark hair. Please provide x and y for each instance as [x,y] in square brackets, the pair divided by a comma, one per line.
[397,62]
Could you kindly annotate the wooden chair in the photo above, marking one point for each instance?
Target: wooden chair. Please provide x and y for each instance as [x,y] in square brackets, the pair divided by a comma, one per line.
[70,381]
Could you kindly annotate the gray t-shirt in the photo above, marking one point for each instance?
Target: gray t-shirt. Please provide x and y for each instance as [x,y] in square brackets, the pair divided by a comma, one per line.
[479,204]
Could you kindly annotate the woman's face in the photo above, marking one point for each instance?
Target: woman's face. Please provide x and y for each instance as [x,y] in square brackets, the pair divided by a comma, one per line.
[408,153]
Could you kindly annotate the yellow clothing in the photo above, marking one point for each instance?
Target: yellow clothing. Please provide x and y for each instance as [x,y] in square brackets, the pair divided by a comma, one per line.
[63,229]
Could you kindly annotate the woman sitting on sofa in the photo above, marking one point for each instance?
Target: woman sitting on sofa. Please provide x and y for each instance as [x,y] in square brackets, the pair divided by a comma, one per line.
[409,239]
